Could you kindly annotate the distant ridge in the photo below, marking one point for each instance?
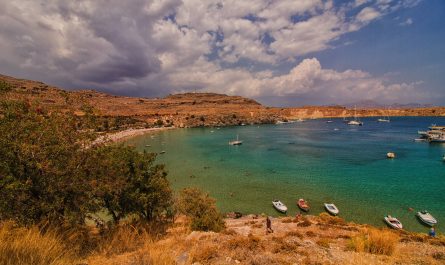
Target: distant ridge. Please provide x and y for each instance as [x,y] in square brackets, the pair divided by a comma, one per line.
[371,104]
[188,109]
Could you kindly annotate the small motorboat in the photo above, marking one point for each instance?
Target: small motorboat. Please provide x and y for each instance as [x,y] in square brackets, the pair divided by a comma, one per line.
[393,222]
[162,152]
[331,208]
[426,218]
[303,205]
[390,155]
[279,206]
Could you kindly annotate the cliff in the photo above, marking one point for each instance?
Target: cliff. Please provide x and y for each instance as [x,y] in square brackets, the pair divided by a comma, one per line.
[180,110]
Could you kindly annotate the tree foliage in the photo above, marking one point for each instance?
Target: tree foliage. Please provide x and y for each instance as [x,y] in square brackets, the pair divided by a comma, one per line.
[201,208]
[50,171]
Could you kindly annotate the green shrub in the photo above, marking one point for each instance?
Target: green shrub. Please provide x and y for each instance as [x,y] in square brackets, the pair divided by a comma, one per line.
[201,208]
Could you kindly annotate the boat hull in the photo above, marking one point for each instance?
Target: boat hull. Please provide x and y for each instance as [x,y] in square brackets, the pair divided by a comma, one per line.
[331,208]
[303,206]
[430,221]
[396,225]
[280,207]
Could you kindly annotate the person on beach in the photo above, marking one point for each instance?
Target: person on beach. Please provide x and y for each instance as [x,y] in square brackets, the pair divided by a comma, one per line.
[268,225]
[432,232]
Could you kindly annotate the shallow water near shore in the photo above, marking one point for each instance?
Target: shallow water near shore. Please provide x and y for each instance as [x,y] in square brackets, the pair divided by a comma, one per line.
[315,160]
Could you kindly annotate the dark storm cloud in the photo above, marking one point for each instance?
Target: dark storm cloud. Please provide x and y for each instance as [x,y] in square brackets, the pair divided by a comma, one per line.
[157,47]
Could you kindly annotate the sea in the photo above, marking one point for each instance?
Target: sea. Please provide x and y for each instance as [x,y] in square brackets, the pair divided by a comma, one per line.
[319,161]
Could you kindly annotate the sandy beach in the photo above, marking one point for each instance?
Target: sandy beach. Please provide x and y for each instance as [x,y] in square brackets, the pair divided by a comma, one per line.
[124,135]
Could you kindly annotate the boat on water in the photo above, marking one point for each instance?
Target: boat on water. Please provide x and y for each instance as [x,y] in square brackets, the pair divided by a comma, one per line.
[391,155]
[279,206]
[236,142]
[435,134]
[303,205]
[384,119]
[426,218]
[162,152]
[331,208]
[355,121]
[393,222]
[329,121]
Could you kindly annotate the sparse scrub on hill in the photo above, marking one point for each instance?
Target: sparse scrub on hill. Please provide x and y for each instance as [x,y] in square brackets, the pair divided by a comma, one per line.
[201,209]
[375,241]
[5,87]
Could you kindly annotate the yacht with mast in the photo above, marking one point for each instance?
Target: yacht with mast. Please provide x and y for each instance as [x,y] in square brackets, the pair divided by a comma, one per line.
[355,121]
[384,119]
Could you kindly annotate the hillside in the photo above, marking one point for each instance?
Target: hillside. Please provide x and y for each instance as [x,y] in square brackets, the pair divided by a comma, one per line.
[180,110]
[311,240]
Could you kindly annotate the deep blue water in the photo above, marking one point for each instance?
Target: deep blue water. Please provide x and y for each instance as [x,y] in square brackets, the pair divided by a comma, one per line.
[347,166]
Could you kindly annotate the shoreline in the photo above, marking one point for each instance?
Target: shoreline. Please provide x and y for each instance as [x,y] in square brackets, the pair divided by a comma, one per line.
[120,136]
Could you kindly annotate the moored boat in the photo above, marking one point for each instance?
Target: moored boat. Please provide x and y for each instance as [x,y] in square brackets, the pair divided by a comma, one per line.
[393,222]
[236,142]
[303,205]
[331,208]
[390,155]
[426,218]
[279,206]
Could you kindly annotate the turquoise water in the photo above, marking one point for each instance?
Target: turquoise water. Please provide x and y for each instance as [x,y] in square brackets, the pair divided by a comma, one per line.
[311,160]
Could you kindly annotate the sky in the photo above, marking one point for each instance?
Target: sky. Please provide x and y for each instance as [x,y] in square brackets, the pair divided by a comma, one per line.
[281,53]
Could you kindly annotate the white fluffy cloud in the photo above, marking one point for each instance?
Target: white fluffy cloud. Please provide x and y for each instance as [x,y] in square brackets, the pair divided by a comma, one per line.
[155,47]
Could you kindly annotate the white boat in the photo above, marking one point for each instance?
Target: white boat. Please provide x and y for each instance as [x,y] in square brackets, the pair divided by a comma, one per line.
[299,120]
[384,119]
[390,155]
[426,217]
[438,139]
[355,121]
[393,222]
[419,140]
[331,208]
[279,206]
[236,142]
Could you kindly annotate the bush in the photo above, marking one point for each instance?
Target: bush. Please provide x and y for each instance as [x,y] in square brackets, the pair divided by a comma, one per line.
[5,87]
[201,208]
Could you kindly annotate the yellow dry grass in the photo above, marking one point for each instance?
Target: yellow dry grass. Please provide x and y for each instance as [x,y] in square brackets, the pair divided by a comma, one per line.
[375,241]
[24,246]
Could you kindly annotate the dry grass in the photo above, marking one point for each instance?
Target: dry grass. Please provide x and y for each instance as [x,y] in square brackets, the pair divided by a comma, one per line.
[294,234]
[375,241]
[24,246]
[205,253]
[332,220]
[324,242]
[304,222]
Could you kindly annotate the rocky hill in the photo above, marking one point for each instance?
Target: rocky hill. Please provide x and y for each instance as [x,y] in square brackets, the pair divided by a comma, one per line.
[180,110]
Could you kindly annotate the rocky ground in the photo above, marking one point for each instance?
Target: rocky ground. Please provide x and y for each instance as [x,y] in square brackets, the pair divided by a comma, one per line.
[309,240]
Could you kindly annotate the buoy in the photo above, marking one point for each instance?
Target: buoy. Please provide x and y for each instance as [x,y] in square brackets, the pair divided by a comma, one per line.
[390,155]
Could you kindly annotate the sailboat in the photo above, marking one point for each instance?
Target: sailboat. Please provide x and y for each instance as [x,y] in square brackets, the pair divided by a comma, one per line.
[236,142]
[355,121]
[384,119]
